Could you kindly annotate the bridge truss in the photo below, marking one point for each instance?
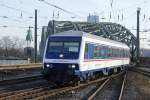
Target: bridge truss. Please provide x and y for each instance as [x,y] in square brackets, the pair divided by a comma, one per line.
[108,30]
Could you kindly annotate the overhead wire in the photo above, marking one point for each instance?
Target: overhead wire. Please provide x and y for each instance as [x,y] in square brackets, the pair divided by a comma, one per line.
[60,8]
[122,10]
[69,12]
[20,10]
[12,8]
[111,5]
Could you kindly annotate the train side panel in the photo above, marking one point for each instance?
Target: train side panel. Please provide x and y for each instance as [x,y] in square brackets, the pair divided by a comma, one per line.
[90,63]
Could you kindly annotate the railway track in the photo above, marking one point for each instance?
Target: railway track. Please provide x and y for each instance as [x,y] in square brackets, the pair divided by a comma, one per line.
[20,80]
[20,66]
[46,92]
[141,71]
[18,73]
[90,92]
[111,89]
[21,83]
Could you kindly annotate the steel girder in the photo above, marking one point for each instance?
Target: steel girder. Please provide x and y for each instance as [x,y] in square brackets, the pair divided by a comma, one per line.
[109,30]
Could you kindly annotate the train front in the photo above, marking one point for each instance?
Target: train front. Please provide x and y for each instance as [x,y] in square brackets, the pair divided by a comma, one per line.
[61,58]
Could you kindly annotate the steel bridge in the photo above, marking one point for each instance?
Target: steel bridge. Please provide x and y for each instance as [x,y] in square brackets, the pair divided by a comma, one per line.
[109,30]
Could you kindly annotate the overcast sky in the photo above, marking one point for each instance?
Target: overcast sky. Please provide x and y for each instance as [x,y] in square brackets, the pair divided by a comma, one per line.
[20,13]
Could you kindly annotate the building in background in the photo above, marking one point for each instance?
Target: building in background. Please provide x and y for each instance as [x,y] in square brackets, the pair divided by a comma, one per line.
[44,36]
[145,44]
[93,18]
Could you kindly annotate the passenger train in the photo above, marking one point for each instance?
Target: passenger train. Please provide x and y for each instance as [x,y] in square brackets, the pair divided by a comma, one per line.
[73,56]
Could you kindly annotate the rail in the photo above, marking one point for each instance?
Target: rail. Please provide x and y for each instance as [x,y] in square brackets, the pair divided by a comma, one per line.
[20,66]
[96,92]
[141,71]
[20,80]
[40,94]
[106,83]
[73,88]
[122,88]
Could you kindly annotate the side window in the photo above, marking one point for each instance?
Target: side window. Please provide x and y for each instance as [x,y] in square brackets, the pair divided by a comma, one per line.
[89,49]
[123,53]
[118,53]
[106,51]
[128,53]
[114,52]
[86,51]
[111,52]
[96,51]
[102,51]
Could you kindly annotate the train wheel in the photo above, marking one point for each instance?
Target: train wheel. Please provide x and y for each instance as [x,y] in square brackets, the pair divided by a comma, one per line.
[58,83]
[101,74]
[110,71]
[115,70]
[119,69]
[105,71]
[76,81]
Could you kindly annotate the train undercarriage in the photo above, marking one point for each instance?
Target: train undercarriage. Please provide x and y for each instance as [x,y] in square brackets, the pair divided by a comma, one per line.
[59,77]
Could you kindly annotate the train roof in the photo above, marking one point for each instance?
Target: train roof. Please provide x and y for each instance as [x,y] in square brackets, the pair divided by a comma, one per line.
[73,33]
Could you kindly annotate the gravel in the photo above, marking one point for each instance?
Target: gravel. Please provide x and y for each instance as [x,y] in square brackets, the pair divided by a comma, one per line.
[137,87]
[111,90]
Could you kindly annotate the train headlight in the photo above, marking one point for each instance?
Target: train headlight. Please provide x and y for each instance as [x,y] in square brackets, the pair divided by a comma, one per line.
[47,65]
[72,66]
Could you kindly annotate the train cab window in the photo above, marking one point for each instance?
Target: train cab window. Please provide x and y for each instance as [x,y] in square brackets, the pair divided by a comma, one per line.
[55,47]
[71,47]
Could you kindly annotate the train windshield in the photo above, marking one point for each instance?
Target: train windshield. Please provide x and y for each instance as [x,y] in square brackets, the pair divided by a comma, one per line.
[67,48]
[63,47]
[55,47]
[71,47]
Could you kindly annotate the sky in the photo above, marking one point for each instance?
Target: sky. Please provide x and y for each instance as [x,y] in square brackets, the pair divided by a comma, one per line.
[20,13]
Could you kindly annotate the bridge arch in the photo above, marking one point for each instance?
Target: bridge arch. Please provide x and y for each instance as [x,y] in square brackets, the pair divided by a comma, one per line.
[109,30]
